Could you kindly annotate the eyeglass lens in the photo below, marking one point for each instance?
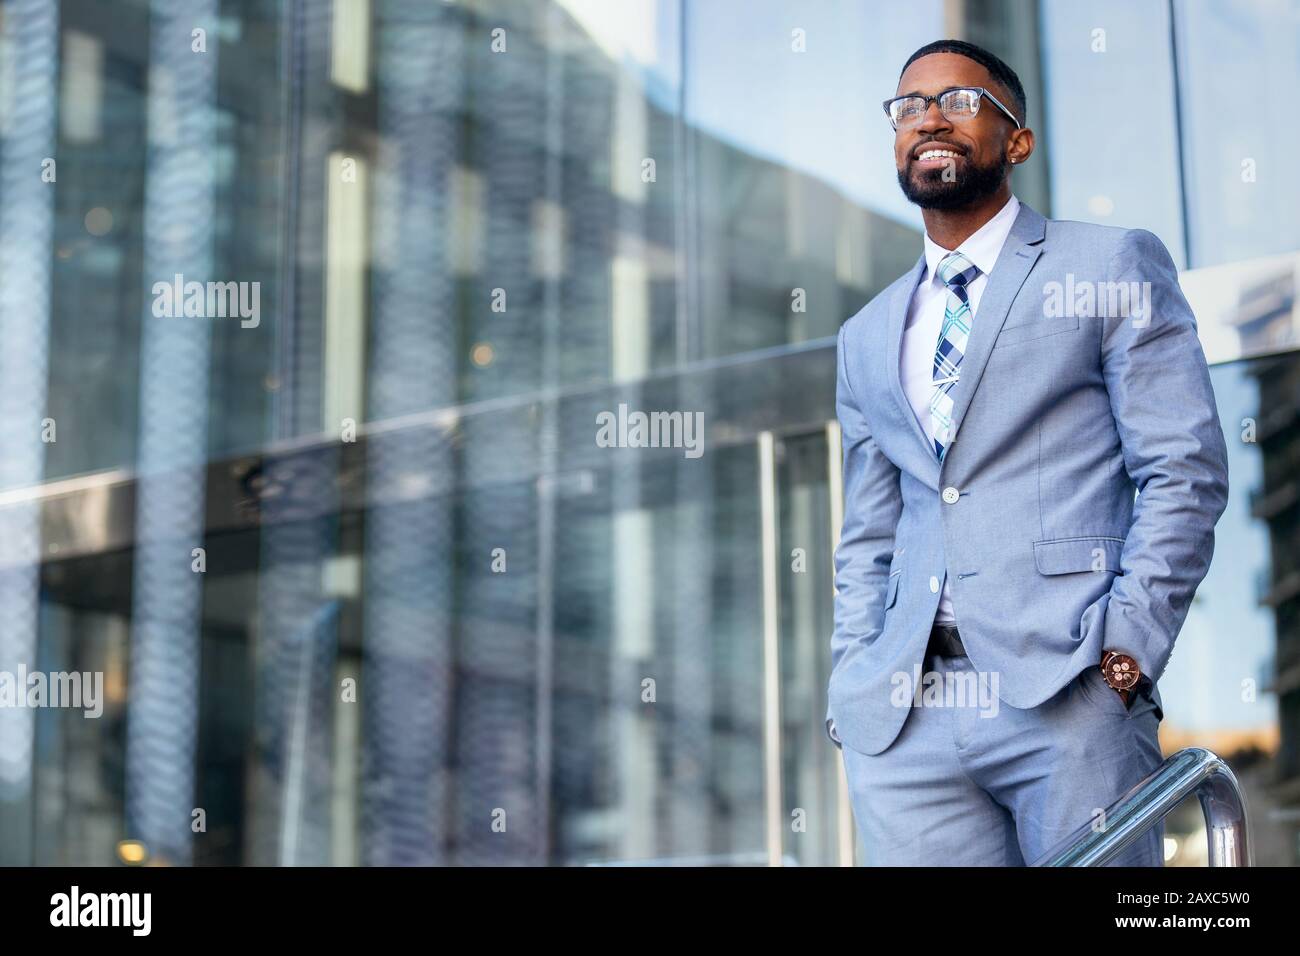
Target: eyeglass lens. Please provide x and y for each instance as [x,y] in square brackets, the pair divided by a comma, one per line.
[954,104]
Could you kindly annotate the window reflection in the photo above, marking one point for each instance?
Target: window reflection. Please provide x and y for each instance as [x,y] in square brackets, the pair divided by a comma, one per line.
[436,623]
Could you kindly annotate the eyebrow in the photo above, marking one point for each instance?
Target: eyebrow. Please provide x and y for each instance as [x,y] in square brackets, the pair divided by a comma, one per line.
[955,86]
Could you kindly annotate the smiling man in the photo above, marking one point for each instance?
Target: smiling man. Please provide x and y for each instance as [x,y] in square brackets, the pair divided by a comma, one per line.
[995,431]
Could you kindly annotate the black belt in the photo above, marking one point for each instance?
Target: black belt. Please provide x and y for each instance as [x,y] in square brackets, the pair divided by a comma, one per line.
[945,641]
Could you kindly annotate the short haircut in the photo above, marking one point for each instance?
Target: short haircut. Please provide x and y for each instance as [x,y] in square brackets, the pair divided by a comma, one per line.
[1003,74]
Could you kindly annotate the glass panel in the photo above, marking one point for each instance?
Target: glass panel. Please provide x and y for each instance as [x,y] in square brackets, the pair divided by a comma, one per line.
[1238,168]
[1109,79]
[800,219]
[657,726]
[804,570]
[1231,684]
[109,167]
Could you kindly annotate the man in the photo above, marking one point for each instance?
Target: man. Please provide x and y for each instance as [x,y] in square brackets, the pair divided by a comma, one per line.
[1000,405]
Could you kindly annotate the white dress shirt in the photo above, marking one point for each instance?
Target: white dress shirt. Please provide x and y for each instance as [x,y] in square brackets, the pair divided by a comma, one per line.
[925,321]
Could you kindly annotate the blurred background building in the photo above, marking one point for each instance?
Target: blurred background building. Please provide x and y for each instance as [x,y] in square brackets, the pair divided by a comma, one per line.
[363,585]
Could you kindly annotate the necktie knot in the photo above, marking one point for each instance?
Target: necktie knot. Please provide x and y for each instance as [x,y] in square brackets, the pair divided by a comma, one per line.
[956,270]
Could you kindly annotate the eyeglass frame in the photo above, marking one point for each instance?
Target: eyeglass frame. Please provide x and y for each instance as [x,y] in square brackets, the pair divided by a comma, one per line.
[952,89]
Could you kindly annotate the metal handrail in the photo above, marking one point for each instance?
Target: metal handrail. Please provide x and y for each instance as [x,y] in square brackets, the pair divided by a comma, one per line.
[1194,770]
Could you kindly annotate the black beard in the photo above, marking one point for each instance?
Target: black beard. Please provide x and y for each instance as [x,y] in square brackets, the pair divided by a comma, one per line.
[978,183]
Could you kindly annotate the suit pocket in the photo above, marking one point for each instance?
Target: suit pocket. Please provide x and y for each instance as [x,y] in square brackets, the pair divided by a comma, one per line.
[1035,330]
[1100,694]
[891,591]
[1083,553]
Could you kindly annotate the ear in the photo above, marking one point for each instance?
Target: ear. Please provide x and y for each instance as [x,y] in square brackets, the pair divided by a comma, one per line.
[1021,146]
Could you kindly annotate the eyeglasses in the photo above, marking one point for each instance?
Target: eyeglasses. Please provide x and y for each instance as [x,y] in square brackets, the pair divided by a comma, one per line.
[957,103]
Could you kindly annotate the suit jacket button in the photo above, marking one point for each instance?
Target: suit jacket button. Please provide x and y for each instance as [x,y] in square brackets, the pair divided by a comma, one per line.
[950,495]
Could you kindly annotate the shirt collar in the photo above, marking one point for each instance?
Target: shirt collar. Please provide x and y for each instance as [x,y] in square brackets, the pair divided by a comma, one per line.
[982,247]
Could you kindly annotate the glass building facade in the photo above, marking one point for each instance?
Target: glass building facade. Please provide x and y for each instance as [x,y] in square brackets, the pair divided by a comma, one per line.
[338,531]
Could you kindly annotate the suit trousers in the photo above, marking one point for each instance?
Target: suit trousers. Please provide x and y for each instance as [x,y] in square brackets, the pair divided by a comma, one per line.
[973,781]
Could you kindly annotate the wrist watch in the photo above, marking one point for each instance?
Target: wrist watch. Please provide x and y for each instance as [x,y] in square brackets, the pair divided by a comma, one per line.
[1120,671]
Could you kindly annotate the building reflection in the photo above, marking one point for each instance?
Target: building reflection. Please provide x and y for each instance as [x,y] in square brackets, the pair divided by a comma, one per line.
[437,623]
[1268,318]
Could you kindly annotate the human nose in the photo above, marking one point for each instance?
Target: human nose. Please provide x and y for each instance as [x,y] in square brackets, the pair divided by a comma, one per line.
[933,120]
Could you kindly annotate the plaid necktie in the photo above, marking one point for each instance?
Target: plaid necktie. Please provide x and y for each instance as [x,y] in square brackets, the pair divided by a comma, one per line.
[956,272]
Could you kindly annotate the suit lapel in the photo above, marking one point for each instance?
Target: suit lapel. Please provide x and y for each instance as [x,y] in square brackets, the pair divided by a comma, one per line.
[1021,251]
[898,309]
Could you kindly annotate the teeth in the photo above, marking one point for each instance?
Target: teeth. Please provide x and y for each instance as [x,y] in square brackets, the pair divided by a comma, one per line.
[937,154]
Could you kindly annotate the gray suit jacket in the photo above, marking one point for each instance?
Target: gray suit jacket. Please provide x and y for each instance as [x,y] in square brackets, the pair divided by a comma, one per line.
[1064,408]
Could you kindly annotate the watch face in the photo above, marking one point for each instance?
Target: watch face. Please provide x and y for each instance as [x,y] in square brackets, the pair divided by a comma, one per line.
[1120,671]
